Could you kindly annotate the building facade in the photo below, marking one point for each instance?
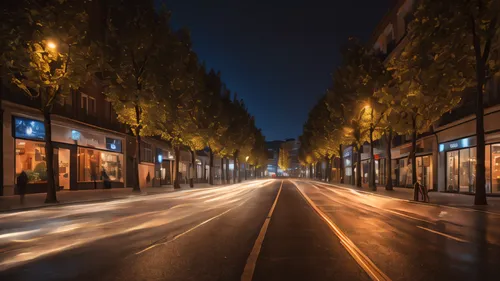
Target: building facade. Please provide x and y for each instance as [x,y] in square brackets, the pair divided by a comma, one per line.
[446,154]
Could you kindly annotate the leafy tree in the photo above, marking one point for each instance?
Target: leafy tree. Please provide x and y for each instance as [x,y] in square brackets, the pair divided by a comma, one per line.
[10,33]
[215,122]
[134,42]
[258,155]
[460,39]
[48,59]
[283,159]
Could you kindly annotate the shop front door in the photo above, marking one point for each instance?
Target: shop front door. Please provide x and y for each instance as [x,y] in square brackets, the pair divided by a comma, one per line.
[452,171]
[63,168]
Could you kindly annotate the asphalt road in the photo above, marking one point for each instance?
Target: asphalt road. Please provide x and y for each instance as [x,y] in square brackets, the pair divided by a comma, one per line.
[308,230]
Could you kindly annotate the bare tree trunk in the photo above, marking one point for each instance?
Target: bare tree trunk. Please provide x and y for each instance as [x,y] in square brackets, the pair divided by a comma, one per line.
[227,171]
[413,157]
[211,165]
[371,175]
[388,161]
[192,172]
[481,59]
[1,134]
[332,163]
[177,152]
[222,172]
[135,185]
[311,171]
[327,169]
[358,166]
[341,153]
[49,158]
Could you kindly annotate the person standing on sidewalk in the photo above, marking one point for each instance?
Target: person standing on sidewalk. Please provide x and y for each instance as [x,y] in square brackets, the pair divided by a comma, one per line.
[22,181]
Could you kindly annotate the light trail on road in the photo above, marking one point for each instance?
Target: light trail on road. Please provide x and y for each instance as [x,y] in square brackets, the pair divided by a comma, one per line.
[28,235]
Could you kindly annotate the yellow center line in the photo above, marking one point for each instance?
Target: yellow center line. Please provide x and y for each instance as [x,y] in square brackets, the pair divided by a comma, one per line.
[363,261]
[254,254]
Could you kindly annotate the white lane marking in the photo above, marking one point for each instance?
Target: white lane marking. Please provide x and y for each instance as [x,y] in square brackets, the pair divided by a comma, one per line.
[189,230]
[444,234]
[192,228]
[364,262]
[254,254]
[382,209]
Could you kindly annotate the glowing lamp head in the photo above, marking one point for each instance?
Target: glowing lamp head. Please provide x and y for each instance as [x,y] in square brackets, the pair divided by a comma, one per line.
[51,45]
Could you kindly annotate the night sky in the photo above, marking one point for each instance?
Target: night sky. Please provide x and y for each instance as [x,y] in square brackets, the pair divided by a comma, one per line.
[276,54]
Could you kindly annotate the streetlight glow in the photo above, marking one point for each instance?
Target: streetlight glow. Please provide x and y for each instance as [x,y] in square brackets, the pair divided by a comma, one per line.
[51,45]
[246,159]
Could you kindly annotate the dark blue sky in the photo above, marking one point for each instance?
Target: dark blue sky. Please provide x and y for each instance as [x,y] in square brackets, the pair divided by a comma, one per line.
[276,54]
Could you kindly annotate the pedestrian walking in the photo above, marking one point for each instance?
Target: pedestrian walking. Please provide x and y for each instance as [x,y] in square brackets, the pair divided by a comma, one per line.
[22,181]
[416,191]
[425,193]
[105,179]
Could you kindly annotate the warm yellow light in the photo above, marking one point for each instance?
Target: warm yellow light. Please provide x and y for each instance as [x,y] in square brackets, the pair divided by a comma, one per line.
[246,159]
[367,106]
[51,45]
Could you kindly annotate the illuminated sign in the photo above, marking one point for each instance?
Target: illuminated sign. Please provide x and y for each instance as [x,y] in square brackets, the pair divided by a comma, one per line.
[28,129]
[75,135]
[458,144]
[114,144]
[159,154]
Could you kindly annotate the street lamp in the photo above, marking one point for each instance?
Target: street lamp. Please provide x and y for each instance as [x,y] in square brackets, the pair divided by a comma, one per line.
[51,45]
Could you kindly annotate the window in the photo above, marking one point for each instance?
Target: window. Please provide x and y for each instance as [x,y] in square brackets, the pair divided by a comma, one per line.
[30,158]
[88,104]
[92,164]
[146,153]
[107,110]
[495,167]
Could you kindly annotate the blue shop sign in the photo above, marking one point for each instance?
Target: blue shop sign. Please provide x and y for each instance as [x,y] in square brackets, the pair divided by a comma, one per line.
[28,128]
[114,144]
[159,154]
[458,144]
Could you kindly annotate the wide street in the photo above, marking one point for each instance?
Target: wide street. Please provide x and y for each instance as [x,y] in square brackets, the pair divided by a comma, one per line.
[258,230]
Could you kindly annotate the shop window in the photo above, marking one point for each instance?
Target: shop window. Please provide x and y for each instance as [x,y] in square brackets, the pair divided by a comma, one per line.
[92,164]
[30,158]
[452,171]
[424,171]
[382,172]
[495,167]
[467,169]
[487,166]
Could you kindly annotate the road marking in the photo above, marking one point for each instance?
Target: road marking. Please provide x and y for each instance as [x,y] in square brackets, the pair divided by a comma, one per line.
[158,242]
[254,254]
[364,262]
[444,234]
[378,208]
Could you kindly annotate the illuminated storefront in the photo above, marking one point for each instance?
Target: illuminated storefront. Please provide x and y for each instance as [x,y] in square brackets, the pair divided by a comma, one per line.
[82,158]
[460,157]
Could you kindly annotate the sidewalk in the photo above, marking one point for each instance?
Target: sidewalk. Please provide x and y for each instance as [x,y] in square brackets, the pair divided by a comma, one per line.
[436,198]
[31,201]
